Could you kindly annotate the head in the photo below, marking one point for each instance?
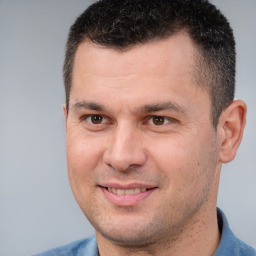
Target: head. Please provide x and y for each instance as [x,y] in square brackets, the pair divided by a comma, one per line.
[122,25]
[149,117]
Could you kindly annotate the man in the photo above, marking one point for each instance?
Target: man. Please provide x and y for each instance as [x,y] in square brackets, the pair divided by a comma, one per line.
[150,119]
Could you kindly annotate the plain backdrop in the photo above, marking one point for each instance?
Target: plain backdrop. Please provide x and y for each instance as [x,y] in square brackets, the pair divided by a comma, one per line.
[37,208]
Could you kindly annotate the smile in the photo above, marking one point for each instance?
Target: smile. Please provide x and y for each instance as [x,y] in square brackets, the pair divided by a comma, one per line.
[132,191]
[129,195]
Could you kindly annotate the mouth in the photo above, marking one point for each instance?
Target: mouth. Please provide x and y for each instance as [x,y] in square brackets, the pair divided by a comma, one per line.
[133,191]
[127,196]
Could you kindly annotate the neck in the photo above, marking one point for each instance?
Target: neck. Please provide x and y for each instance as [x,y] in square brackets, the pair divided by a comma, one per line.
[200,237]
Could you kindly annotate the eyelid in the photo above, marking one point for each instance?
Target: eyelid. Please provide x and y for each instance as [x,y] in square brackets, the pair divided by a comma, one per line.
[169,119]
[85,118]
[148,121]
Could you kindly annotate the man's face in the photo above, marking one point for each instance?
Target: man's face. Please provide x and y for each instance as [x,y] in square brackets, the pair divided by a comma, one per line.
[142,153]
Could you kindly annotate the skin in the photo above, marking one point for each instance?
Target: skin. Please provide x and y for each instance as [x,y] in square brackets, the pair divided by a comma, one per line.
[138,118]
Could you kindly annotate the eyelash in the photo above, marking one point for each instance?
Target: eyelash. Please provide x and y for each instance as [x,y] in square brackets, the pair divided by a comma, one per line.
[86,117]
[165,120]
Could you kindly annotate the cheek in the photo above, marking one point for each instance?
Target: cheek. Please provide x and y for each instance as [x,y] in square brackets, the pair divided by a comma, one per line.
[82,160]
[180,160]
[82,154]
[83,157]
[173,153]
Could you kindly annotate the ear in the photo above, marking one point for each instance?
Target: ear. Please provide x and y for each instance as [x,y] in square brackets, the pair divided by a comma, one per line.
[230,128]
[64,107]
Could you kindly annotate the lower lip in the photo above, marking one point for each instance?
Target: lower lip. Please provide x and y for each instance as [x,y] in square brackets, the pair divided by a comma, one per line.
[127,200]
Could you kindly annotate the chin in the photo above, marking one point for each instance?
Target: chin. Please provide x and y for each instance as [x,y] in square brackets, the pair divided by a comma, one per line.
[132,232]
[131,239]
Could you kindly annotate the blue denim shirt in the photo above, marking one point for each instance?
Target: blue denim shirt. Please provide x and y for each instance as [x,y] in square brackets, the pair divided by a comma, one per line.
[229,244]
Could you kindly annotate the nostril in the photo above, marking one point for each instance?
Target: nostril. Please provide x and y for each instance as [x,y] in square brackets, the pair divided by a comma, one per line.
[123,155]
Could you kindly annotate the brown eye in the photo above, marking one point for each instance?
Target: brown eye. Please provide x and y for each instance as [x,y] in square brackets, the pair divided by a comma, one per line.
[158,120]
[96,119]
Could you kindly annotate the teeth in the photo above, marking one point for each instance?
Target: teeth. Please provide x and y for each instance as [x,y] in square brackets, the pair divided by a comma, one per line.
[126,191]
[120,192]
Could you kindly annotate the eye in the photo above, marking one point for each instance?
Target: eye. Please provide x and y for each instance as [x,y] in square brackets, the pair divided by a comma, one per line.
[95,122]
[159,120]
[95,119]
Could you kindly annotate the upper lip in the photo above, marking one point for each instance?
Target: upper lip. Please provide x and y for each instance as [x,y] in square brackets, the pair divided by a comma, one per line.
[126,185]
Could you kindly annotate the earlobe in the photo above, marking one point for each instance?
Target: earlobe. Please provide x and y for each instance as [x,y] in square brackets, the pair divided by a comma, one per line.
[230,128]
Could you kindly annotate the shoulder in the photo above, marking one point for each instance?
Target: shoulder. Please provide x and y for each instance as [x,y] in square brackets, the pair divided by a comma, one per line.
[229,243]
[86,246]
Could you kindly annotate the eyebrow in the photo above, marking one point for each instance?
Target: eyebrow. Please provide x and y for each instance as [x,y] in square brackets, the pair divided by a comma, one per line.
[171,106]
[88,105]
[148,108]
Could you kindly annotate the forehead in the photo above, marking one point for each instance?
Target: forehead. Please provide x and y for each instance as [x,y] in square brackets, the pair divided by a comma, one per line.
[157,56]
[161,69]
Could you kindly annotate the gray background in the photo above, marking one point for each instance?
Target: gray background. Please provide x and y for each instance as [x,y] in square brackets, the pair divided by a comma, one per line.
[37,209]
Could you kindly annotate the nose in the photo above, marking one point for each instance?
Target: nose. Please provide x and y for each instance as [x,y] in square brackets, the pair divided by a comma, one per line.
[125,150]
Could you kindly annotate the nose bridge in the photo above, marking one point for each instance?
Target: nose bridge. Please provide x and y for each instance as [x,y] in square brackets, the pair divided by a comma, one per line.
[125,148]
